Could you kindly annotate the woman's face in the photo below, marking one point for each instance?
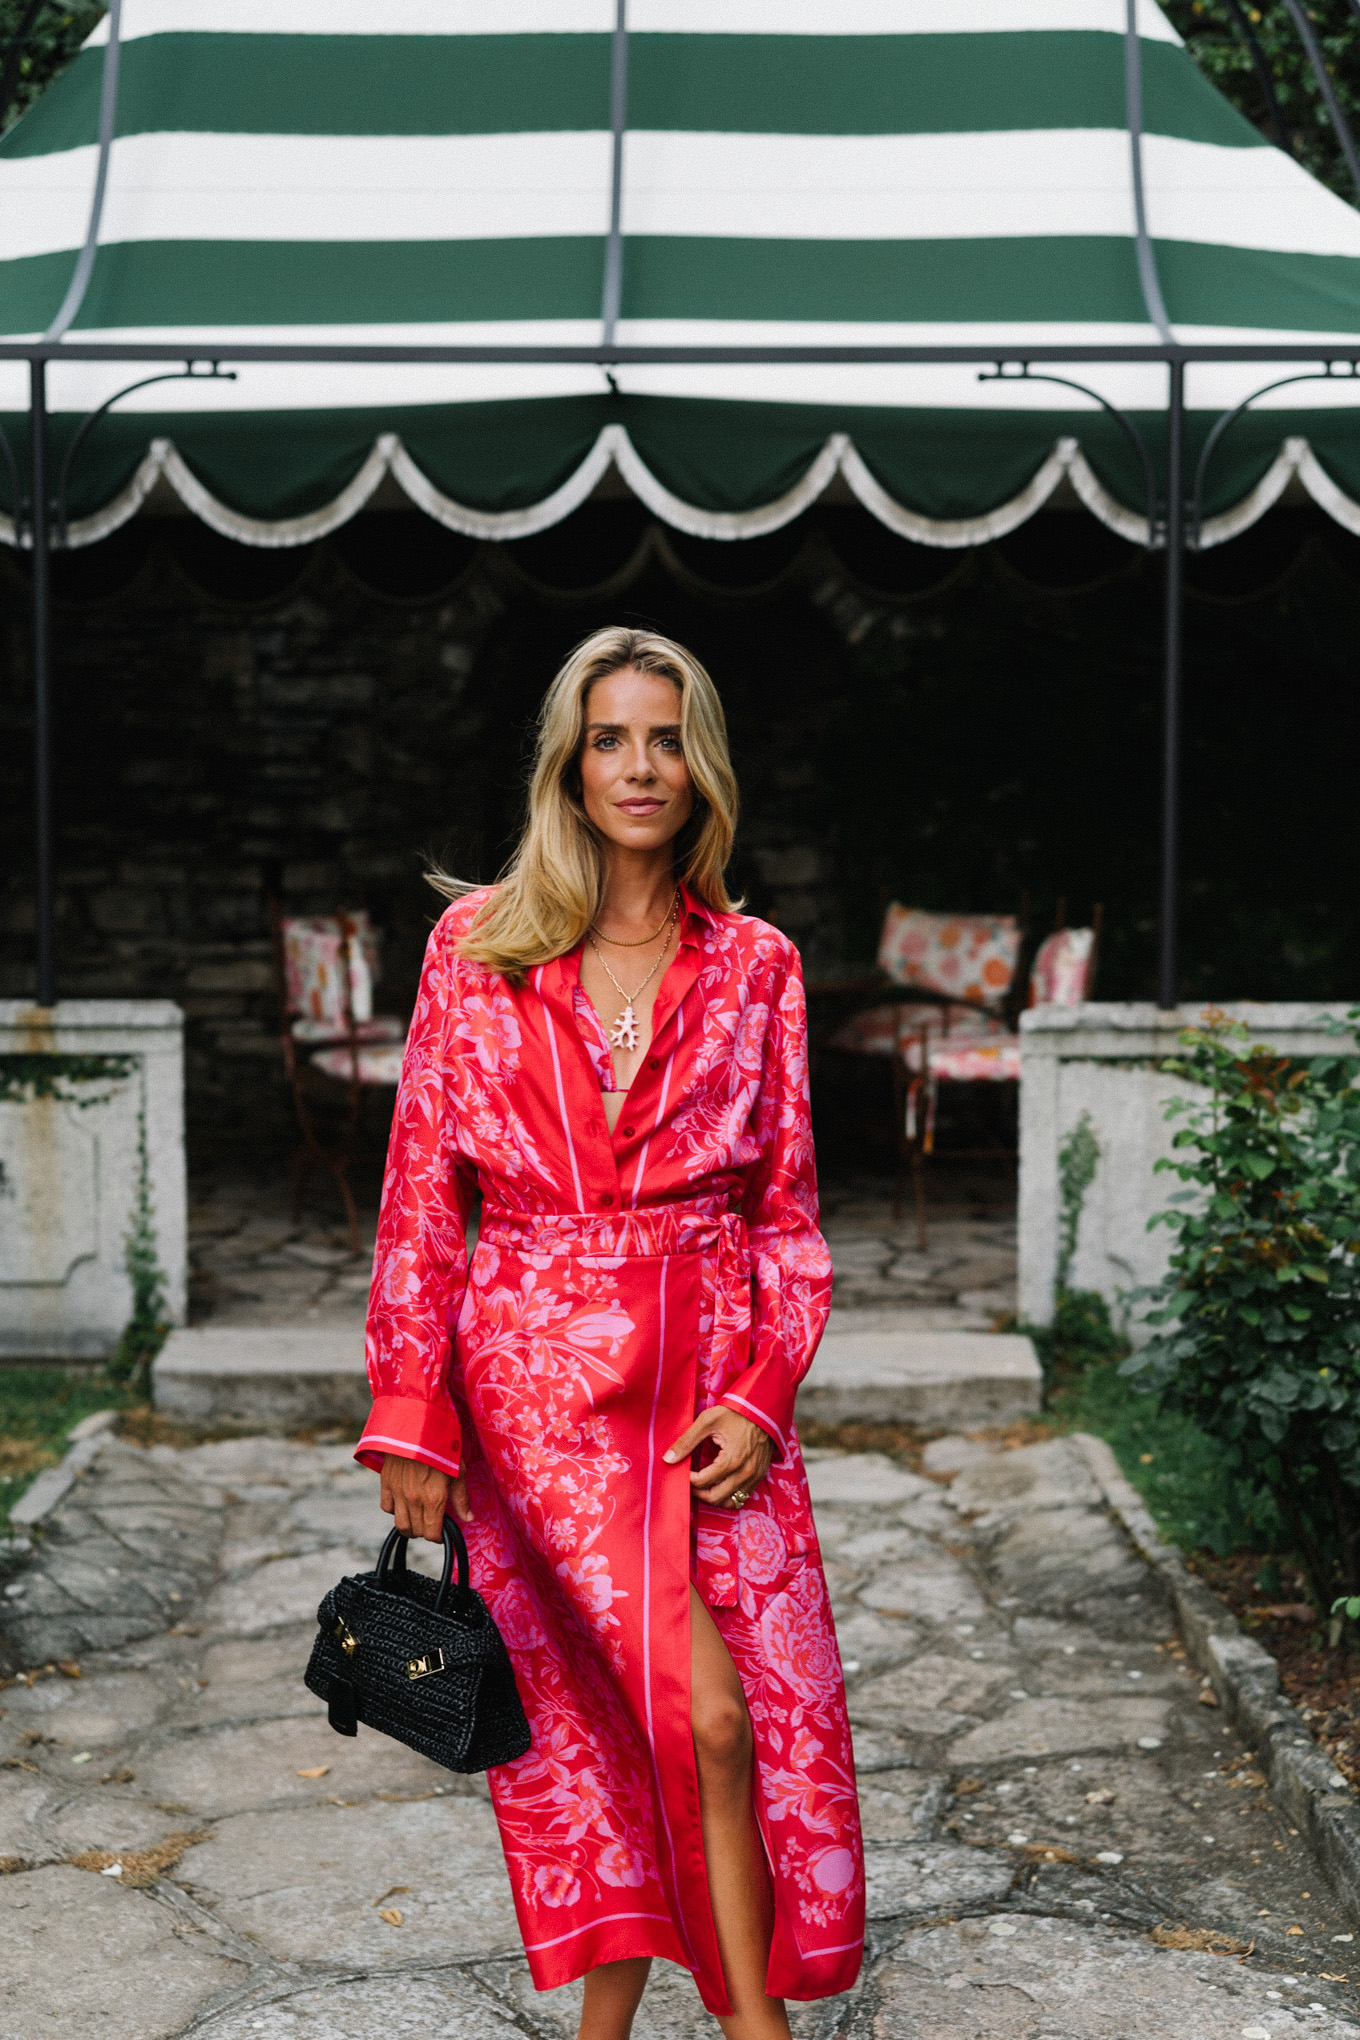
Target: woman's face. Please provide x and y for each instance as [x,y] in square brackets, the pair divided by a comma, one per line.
[634,780]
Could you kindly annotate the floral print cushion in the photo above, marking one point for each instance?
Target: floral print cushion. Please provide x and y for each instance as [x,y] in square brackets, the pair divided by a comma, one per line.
[968,1026]
[994,1060]
[1062,970]
[882,1029]
[964,956]
[314,968]
[377,1065]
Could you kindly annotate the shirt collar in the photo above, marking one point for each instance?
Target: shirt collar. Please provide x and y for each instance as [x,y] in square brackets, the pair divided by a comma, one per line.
[694,913]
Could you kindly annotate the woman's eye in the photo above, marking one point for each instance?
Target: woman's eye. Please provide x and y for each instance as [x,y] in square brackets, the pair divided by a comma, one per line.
[669,743]
[605,743]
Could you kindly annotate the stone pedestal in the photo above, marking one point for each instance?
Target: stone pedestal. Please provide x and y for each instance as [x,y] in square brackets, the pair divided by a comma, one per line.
[86,1088]
[1106,1060]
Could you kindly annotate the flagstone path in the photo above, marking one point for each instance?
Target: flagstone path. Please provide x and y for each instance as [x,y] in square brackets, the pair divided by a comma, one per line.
[191,1851]
[251,1265]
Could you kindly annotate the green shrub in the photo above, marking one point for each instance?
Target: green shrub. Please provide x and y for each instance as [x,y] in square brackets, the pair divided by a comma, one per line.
[1080,1335]
[1257,1335]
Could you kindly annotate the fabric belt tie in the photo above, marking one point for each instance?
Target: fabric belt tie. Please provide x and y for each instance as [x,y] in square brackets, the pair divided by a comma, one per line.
[647,1235]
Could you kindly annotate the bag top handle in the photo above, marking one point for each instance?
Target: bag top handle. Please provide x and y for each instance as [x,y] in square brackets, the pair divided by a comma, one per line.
[393,1558]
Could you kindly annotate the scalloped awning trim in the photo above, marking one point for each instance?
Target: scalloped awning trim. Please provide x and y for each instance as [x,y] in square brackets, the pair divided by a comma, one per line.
[163,463]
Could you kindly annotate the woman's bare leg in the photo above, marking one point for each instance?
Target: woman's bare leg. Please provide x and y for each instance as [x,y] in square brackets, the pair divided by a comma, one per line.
[738,1881]
[613,1992]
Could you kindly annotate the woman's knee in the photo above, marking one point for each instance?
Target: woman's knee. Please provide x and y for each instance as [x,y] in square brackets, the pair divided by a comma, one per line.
[722,1732]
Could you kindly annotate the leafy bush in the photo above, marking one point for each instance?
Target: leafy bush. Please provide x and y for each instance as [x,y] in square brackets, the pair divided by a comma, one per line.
[1080,1335]
[1216,42]
[36,43]
[1258,1318]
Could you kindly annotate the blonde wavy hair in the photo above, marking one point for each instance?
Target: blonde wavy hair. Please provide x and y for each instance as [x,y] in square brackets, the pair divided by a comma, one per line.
[553,886]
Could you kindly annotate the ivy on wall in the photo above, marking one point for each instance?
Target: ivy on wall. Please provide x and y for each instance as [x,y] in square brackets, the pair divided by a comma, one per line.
[49,1075]
[148,1327]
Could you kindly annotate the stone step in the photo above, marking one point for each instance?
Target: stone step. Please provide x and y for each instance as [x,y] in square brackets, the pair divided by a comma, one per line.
[290,1379]
[876,1367]
[871,1366]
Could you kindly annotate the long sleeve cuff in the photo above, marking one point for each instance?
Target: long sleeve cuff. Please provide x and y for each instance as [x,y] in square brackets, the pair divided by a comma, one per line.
[763,1395]
[410,1428]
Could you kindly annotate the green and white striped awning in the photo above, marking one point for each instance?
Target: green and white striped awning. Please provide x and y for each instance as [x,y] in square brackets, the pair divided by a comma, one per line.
[922,172]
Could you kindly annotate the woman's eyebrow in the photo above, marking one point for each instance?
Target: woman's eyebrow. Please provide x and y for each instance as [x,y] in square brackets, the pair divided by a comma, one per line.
[664,729]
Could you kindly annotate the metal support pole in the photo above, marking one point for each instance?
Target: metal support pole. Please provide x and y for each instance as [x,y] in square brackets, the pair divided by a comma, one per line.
[612,300]
[42,676]
[1171,698]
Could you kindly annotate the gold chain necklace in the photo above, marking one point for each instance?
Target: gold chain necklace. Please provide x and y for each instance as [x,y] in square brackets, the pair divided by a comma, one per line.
[624,1033]
[615,943]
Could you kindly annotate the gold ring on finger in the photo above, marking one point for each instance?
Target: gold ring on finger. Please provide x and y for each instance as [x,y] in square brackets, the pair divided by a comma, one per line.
[737,1497]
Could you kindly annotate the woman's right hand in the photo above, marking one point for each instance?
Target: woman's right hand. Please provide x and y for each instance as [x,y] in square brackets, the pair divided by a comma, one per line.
[418,1497]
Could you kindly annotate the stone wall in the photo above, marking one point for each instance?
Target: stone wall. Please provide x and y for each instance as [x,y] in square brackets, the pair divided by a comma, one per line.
[323,743]
[969,731]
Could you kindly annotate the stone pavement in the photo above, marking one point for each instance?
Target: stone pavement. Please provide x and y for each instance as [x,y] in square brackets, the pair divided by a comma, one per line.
[250,1265]
[1062,1843]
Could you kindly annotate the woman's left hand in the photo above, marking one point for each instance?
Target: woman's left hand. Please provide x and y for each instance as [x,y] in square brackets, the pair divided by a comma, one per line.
[744,1455]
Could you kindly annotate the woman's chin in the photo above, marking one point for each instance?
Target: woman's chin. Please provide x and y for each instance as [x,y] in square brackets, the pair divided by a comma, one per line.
[652,834]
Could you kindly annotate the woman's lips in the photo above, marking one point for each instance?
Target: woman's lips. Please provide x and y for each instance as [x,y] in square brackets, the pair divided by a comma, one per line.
[639,807]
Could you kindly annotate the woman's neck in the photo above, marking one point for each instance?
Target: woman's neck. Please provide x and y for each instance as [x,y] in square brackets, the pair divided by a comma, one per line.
[638,890]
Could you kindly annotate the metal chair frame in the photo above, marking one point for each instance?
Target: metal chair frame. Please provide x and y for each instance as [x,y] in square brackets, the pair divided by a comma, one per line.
[311,1086]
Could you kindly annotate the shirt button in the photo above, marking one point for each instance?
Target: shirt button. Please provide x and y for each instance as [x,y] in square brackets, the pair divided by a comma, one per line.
[655,1063]
[608,1197]
[628,1133]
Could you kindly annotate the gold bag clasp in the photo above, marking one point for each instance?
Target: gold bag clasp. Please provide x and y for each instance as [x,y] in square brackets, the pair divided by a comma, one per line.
[349,1642]
[425,1667]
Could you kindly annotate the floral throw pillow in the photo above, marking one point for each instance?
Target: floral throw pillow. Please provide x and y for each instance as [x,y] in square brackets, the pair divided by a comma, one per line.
[1062,969]
[964,956]
[316,957]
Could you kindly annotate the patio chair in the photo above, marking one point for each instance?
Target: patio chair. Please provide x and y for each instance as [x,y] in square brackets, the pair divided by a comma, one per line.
[335,1048]
[953,1019]
[949,977]
[1062,974]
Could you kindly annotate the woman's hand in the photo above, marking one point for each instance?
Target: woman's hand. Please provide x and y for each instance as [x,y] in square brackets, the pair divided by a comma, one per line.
[744,1455]
[418,1497]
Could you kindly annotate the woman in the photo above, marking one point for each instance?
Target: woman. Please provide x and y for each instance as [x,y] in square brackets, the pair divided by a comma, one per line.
[616,1059]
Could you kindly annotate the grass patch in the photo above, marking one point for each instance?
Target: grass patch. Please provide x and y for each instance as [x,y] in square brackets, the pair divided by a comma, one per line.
[39,1407]
[1195,1496]
[1180,1473]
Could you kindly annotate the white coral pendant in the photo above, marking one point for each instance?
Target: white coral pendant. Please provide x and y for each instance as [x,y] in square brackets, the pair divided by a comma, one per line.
[624,1034]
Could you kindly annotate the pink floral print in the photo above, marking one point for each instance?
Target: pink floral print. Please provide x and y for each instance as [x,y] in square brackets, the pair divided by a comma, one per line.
[620,1283]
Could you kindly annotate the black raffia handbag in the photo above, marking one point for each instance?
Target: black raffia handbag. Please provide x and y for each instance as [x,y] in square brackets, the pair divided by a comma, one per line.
[420,1660]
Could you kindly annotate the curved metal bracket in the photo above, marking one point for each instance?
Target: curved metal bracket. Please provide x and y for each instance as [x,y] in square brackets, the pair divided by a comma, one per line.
[108,115]
[191,372]
[1023,372]
[1153,301]
[1332,371]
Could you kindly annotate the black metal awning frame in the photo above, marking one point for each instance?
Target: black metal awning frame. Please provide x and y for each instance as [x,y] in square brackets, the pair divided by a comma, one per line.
[1174,528]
